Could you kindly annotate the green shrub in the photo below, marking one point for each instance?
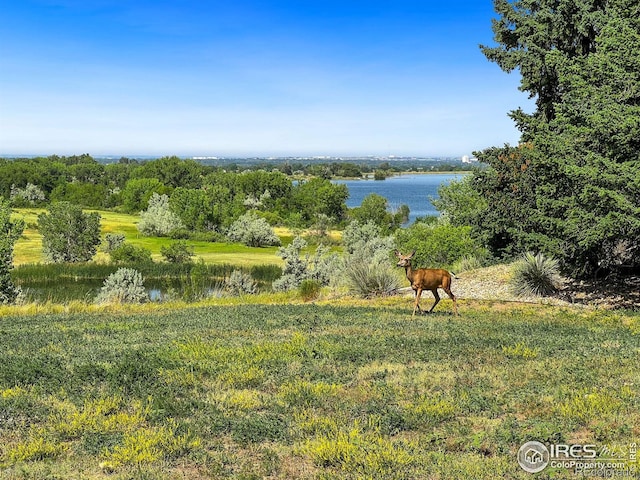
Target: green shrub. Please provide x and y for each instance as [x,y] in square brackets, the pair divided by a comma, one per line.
[240,283]
[309,290]
[126,285]
[177,252]
[253,231]
[535,275]
[375,209]
[196,236]
[438,244]
[69,234]
[113,241]
[460,202]
[130,254]
[137,192]
[180,234]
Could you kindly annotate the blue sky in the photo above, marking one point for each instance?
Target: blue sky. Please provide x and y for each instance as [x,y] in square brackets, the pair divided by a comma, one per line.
[250,77]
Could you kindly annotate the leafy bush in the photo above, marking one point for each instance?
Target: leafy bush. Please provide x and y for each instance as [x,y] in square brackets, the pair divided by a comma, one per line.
[130,254]
[177,252]
[438,244]
[535,275]
[126,285]
[180,234]
[158,219]
[375,208]
[138,191]
[253,231]
[113,241]
[460,202]
[240,283]
[69,234]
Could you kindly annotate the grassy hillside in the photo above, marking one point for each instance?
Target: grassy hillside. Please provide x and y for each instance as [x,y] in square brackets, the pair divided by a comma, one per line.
[310,391]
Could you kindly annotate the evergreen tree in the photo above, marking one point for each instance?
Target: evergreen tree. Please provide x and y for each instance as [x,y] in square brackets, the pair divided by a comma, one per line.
[571,188]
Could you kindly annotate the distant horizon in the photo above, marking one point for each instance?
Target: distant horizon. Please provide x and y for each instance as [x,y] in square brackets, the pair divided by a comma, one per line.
[227,157]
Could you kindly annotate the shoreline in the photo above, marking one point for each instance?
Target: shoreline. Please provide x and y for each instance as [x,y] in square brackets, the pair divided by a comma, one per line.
[399,174]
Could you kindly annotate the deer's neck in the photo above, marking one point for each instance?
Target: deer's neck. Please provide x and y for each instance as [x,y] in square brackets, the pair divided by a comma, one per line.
[409,271]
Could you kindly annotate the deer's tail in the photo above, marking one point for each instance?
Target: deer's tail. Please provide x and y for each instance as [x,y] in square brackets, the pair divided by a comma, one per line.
[454,275]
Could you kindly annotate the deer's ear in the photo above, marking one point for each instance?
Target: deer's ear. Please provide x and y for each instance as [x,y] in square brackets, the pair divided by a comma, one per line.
[412,254]
[398,254]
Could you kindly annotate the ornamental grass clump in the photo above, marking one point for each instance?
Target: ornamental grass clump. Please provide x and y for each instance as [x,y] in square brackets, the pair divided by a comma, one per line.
[535,275]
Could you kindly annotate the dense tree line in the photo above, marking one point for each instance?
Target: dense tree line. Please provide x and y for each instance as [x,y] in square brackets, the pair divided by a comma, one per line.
[205,198]
[571,188]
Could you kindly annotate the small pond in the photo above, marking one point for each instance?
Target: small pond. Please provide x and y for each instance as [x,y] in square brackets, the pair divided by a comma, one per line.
[65,290]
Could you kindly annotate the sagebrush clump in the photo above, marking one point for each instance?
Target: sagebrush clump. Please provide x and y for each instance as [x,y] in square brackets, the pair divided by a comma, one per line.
[240,283]
[158,219]
[253,231]
[126,285]
[321,266]
[366,266]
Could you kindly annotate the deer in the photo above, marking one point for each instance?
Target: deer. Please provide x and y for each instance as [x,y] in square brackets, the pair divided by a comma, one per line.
[426,279]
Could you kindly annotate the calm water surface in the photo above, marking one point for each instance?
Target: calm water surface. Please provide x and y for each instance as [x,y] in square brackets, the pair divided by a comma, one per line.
[414,190]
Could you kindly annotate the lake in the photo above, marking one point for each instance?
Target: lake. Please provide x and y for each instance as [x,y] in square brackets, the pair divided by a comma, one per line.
[414,190]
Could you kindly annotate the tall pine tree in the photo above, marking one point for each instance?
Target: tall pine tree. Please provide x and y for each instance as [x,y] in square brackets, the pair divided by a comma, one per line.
[572,186]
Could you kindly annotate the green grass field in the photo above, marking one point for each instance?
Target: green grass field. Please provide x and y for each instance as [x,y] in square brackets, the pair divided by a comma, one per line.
[29,248]
[310,391]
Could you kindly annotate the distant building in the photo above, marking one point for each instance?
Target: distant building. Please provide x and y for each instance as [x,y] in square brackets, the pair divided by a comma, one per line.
[467,159]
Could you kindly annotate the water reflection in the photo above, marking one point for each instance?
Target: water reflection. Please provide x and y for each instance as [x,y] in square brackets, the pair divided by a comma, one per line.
[86,290]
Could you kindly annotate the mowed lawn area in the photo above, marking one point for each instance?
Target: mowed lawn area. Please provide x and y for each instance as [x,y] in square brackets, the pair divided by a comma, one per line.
[311,391]
[28,249]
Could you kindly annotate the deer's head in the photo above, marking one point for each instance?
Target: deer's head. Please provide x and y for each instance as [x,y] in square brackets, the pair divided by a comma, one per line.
[404,260]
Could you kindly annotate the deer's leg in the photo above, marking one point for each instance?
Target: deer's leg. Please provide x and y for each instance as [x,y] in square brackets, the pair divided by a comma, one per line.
[437,297]
[417,304]
[452,297]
